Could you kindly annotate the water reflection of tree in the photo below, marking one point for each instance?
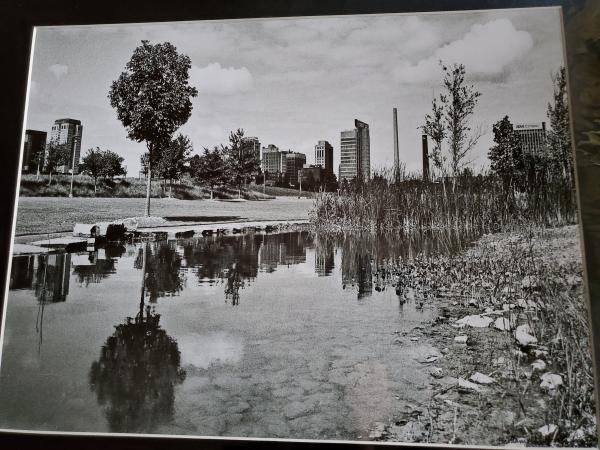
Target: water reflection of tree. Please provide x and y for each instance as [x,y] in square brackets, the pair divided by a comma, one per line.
[139,366]
[163,275]
[99,264]
[232,260]
[136,374]
[324,254]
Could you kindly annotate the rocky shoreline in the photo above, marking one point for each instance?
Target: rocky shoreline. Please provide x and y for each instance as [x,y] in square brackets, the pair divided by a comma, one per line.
[513,361]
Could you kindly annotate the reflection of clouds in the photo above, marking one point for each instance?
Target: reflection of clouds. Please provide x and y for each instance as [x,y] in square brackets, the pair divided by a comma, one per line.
[203,350]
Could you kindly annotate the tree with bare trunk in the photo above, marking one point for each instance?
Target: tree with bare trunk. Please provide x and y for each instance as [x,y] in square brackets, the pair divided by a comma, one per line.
[152,98]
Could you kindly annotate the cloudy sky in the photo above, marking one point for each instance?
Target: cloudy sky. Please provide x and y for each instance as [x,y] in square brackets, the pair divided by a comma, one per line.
[292,82]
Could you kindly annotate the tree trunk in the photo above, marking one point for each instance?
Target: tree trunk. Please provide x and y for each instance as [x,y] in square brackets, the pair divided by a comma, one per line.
[239,191]
[49,178]
[211,193]
[148,192]
[95,183]
[170,188]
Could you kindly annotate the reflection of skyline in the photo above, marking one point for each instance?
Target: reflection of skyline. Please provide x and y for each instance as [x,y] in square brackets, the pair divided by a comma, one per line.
[283,249]
[48,275]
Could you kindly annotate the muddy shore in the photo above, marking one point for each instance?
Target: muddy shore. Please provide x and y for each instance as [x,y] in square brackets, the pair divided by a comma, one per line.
[512,363]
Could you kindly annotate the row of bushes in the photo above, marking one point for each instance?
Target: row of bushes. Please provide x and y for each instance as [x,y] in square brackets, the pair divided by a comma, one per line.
[83,186]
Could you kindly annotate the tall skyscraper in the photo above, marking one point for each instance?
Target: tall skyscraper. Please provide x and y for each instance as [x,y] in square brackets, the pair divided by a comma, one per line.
[34,148]
[271,162]
[532,137]
[252,144]
[293,163]
[69,132]
[324,155]
[355,152]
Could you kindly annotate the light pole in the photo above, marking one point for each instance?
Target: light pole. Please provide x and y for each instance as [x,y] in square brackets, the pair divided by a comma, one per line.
[73,166]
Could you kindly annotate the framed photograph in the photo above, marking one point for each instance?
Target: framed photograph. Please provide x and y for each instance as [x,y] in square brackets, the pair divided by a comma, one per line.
[301,226]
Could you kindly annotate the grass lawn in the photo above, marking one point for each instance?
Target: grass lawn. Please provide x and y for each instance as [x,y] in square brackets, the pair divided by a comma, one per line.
[58,214]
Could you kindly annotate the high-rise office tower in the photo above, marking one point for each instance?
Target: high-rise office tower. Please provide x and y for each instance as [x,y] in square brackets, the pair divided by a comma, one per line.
[355,152]
[532,137]
[324,155]
[293,163]
[69,132]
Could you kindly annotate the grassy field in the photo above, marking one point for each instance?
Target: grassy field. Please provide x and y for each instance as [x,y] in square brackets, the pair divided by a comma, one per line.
[57,214]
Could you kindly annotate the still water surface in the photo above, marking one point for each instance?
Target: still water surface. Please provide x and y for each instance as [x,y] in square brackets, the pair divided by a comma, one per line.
[285,335]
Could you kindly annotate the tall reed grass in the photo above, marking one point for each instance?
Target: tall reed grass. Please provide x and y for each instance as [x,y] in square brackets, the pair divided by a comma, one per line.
[395,201]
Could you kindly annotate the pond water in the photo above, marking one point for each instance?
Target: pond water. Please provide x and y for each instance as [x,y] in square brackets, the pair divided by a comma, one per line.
[285,335]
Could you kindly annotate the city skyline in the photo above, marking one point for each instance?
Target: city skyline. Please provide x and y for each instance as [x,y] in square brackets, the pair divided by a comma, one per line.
[297,94]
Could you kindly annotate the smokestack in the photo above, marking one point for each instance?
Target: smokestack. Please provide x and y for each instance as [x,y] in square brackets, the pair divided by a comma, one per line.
[425,158]
[396,151]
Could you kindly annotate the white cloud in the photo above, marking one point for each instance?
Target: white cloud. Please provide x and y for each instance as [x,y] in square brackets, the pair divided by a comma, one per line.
[214,79]
[58,70]
[486,50]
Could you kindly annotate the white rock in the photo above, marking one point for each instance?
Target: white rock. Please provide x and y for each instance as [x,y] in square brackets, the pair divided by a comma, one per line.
[503,324]
[414,339]
[550,381]
[547,430]
[445,350]
[476,321]
[467,385]
[461,339]
[540,353]
[523,337]
[480,378]
[538,364]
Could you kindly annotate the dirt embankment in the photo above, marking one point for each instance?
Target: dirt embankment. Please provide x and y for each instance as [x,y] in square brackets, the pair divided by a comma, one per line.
[513,360]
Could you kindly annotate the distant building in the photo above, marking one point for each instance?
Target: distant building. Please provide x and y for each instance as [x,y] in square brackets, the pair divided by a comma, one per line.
[294,162]
[355,152]
[273,164]
[69,132]
[324,155]
[312,176]
[252,144]
[532,137]
[34,148]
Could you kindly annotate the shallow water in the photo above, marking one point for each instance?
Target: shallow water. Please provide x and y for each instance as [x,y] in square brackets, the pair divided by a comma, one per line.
[287,335]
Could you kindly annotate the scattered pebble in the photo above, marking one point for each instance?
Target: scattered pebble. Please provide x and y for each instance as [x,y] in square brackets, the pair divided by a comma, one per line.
[550,381]
[476,321]
[436,372]
[468,386]
[480,378]
[538,364]
[523,337]
[547,430]
[502,324]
